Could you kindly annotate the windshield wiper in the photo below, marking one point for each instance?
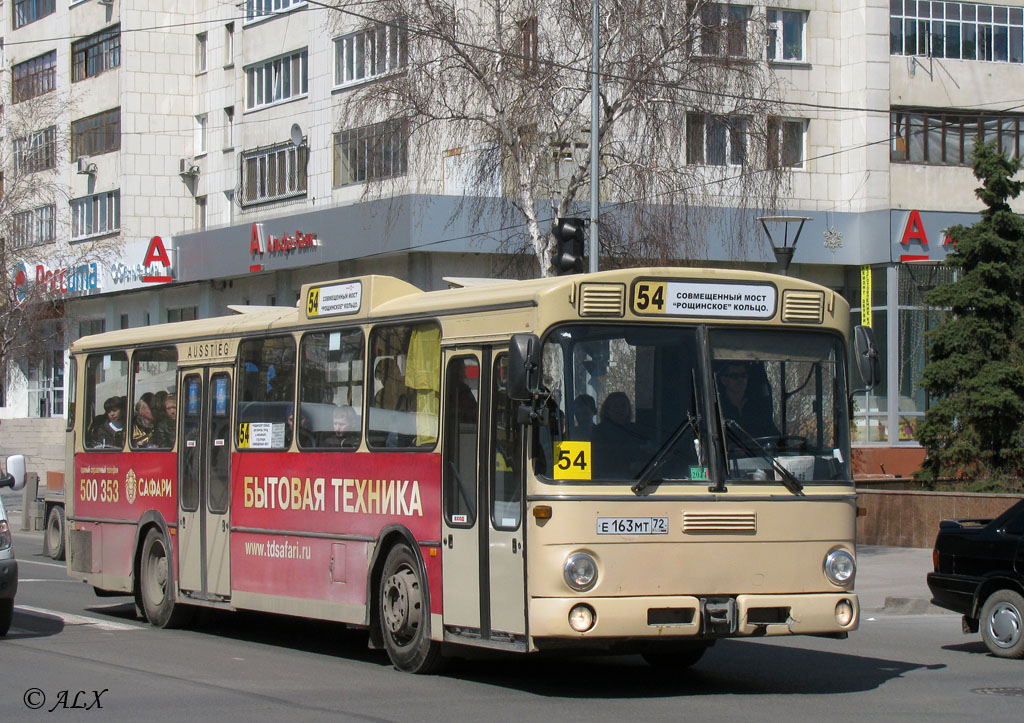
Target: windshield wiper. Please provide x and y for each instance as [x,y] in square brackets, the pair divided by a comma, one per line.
[644,479]
[751,446]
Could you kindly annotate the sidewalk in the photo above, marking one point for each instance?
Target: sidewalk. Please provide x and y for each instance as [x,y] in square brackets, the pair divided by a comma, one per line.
[891,580]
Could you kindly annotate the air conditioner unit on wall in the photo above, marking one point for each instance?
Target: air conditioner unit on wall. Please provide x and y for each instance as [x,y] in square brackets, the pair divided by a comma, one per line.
[188,167]
[86,166]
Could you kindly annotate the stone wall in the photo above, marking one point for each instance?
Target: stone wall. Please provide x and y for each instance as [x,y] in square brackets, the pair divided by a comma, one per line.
[905,518]
[40,440]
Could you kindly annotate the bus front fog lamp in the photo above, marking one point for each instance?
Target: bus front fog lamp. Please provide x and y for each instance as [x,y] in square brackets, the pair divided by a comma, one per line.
[844,613]
[580,571]
[581,618]
[840,567]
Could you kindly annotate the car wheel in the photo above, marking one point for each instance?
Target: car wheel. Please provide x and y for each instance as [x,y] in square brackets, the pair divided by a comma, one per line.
[1001,624]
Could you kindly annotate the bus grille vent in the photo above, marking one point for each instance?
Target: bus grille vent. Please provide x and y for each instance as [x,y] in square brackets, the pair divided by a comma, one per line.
[803,307]
[602,300]
[695,523]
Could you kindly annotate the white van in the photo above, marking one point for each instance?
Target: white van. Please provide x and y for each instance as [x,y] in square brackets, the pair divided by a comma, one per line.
[15,478]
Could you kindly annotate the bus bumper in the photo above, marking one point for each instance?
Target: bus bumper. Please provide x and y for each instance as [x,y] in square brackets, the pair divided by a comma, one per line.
[661,617]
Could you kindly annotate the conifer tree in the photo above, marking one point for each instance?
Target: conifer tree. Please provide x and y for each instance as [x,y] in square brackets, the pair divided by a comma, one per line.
[975,371]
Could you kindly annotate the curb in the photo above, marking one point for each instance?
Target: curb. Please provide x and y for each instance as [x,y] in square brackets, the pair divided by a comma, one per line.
[911,606]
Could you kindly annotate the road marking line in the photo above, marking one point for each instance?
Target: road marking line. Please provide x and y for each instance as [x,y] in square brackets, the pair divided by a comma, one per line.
[71,619]
[23,561]
[43,579]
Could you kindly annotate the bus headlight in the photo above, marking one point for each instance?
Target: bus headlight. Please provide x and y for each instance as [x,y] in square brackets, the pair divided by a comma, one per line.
[580,571]
[840,567]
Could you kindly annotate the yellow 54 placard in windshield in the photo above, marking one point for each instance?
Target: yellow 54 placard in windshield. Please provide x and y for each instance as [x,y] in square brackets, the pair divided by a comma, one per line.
[572,460]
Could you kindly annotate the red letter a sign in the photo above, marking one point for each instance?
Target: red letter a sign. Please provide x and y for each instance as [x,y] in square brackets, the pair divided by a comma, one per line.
[914,230]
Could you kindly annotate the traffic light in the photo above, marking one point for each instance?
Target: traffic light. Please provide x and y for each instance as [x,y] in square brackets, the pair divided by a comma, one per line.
[567,257]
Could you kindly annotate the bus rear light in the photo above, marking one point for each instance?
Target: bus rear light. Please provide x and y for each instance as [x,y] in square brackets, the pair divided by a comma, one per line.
[844,613]
[582,618]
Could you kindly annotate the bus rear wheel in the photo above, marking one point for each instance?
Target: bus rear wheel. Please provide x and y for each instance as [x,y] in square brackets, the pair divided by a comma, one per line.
[404,614]
[55,533]
[156,584]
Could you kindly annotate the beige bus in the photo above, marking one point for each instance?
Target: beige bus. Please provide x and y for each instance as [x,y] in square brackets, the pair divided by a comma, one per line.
[639,461]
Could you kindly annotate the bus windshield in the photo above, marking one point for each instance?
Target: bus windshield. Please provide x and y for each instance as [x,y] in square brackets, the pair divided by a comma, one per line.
[635,398]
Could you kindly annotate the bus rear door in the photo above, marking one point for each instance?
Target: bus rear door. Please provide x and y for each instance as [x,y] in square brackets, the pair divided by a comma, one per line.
[204,476]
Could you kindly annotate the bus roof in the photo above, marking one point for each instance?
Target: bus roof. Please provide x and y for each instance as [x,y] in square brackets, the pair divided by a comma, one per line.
[375,296]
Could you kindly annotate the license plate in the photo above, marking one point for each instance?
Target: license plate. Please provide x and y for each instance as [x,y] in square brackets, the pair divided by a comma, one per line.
[632,525]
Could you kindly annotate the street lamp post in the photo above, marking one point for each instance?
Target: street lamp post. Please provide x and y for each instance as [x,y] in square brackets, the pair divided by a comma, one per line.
[784,252]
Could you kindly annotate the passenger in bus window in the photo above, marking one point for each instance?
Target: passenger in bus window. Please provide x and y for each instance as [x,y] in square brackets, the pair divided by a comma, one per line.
[584,410]
[142,428]
[306,436]
[164,422]
[109,432]
[616,439]
[346,429]
[746,401]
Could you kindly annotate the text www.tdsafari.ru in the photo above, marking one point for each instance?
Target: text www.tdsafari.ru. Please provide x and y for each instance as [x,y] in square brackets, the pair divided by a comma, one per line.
[282,550]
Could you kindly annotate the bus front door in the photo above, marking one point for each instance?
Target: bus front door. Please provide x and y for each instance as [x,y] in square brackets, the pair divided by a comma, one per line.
[482,537]
[204,476]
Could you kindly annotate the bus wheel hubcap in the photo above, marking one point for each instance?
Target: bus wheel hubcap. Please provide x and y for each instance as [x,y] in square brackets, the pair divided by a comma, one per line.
[402,603]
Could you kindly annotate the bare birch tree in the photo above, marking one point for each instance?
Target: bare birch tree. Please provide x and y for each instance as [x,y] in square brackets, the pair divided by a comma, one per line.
[34,229]
[503,86]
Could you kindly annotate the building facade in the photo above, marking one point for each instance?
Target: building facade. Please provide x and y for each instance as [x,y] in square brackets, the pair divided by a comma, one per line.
[205,139]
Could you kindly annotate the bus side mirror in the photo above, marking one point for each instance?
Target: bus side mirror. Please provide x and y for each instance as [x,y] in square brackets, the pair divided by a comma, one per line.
[867,356]
[15,477]
[523,367]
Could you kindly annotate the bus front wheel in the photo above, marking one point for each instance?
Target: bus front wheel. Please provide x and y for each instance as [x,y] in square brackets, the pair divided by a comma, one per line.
[156,584]
[404,614]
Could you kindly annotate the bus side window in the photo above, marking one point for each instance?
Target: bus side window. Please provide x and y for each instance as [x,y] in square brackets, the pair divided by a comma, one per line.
[106,401]
[266,393]
[331,389]
[155,406]
[405,401]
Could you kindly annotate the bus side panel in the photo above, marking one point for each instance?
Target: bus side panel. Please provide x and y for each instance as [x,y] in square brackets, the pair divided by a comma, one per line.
[111,492]
[347,498]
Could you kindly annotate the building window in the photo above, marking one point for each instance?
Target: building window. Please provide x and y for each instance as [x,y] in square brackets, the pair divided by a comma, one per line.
[97,134]
[95,54]
[38,152]
[185,313]
[229,45]
[722,30]
[87,327]
[527,45]
[124,321]
[200,212]
[370,53]
[274,173]
[786,35]
[34,227]
[200,53]
[256,9]
[276,80]
[35,76]
[28,11]
[95,215]
[371,153]
[964,31]
[201,123]
[229,128]
[785,143]
[937,138]
[715,140]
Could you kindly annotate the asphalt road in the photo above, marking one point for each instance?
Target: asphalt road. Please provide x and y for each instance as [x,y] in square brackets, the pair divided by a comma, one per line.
[249,667]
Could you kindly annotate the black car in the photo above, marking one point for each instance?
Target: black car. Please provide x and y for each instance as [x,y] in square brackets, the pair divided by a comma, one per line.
[979,572]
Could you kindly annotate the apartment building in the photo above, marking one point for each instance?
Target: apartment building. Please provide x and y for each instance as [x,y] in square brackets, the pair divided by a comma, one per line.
[205,137]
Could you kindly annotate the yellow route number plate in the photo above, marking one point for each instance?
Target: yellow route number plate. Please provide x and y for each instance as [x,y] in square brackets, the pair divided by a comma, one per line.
[572,460]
